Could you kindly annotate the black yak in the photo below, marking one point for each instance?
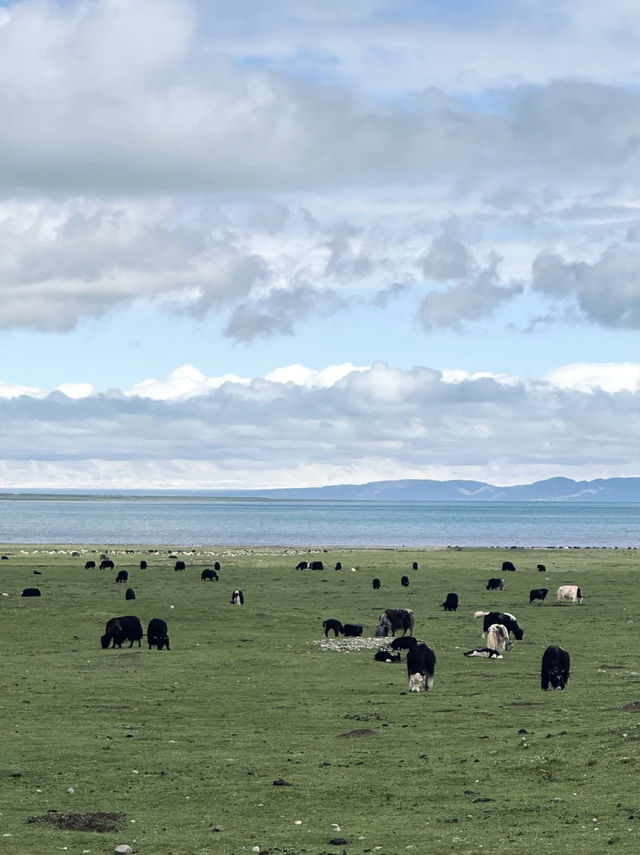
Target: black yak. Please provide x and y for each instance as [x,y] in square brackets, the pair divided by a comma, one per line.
[158,634]
[555,668]
[538,594]
[353,629]
[31,592]
[451,603]
[332,624]
[395,619]
[119,629]
[421,664]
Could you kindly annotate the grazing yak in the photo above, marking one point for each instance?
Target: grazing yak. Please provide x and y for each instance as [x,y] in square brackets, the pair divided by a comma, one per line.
[208,575]
[421,664]
[495,584]
[143,565]
[180,565]
[129,594]
[353,629]
[339,565]
[542,568]
[508,567]
[122,576]
[538,594]
[119,629]
[572,593]
[107,564]
[302,565]
[376,584]
[403,642]
[237,598]
[404,581]
[484,653]
[216,566]
[505,618]
[31,592]
[316,565]
[414,566]
[555,668]
[385,655]
[89,565]
[395,619]
[158,634]
[498,637]
[451,603]
[332,624]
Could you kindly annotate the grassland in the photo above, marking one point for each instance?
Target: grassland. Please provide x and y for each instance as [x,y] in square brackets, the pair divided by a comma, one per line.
[186,745]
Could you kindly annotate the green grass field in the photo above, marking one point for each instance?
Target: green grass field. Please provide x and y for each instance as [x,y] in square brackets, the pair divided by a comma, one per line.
[186,745]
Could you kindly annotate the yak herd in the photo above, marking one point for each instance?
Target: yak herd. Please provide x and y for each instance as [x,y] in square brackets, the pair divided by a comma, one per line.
[498,627]
[498,630]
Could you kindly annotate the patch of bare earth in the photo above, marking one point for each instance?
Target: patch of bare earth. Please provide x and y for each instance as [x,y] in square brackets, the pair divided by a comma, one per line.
[361,731]
[634,706]
[100,822]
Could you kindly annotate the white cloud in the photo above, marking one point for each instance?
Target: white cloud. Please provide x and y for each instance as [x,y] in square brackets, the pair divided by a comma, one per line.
[301,375]
[610,377]
[185,382]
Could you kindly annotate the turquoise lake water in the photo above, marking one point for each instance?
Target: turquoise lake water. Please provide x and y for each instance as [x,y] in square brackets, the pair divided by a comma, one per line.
[235,522]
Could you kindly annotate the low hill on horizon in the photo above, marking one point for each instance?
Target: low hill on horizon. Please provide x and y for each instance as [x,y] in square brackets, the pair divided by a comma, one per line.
[549,490]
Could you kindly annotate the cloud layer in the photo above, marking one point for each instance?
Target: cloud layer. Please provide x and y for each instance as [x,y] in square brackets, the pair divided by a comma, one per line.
[339,425]
[266,173]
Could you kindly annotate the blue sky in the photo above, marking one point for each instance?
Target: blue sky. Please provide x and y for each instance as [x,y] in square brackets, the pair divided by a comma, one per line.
[236,231]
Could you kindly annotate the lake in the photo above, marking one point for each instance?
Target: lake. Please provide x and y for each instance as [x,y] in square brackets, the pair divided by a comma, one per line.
[198,521]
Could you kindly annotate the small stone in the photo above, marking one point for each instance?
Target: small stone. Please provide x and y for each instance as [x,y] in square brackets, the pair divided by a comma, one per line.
[123,849]
[70,790]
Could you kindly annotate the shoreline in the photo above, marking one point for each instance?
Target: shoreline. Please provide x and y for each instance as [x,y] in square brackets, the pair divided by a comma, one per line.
[65,548]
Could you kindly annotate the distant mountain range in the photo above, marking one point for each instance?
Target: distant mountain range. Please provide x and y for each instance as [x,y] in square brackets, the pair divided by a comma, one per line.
[550,490]
[415,490]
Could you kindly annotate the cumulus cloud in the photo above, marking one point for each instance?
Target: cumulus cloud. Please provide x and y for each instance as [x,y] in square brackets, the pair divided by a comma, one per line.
[334,422]
[605,291]
[277,312]
[477,296]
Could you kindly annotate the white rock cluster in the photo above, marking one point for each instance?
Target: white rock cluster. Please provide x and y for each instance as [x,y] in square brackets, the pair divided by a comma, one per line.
[349,645]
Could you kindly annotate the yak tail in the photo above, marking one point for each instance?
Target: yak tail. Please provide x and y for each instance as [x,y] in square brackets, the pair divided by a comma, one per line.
[480,614]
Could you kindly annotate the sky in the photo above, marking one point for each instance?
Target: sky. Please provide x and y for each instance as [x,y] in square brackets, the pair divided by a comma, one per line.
[302,242]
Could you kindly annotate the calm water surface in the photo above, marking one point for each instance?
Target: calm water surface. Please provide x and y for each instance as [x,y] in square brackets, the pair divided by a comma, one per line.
[242,522]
